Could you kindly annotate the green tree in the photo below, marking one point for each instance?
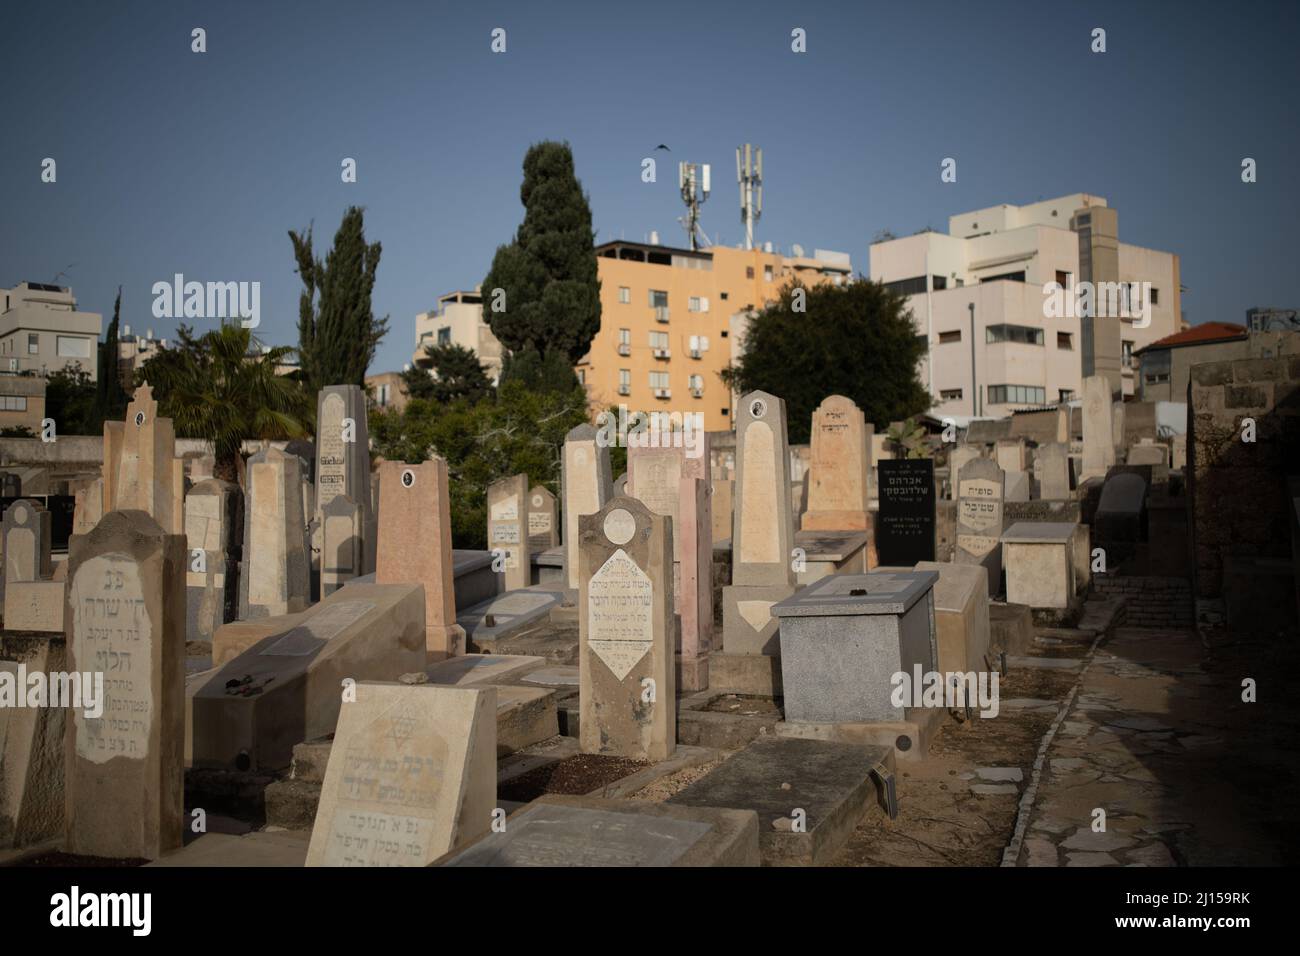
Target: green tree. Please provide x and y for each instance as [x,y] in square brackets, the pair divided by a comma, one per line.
[516,430]
[215,388]
[337,330]
[72,400]
[855,340]
[547,274]
[112,398]
[457,374]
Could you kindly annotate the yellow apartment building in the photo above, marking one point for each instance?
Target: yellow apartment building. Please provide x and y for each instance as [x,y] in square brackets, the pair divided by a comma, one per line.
[666,318]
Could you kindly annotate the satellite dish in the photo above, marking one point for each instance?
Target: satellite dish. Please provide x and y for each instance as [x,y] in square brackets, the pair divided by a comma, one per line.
[797,250]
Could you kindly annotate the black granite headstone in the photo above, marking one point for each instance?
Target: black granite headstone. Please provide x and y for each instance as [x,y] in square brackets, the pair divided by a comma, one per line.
[905,523]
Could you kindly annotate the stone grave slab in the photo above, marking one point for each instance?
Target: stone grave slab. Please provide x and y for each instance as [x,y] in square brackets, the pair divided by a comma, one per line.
[1040,563]
[961,616]
[905,523]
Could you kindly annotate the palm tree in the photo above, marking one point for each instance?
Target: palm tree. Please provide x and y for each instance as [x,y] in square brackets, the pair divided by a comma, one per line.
[218,388]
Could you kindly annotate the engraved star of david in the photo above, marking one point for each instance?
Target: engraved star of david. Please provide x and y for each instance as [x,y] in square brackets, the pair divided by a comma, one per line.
[403,728]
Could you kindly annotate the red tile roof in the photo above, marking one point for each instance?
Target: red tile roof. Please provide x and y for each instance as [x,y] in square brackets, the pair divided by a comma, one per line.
[1199,334]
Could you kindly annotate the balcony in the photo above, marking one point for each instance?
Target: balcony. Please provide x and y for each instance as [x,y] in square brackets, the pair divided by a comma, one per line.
[663,353]
[625,389]
[663,393]
[697,393]
[624,349]
[696,353]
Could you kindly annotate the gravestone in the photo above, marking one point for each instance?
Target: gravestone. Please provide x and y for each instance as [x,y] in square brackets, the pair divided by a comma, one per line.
[411,776]
[904,531]
[214,535]
[507,502]
[274,578]
[961,616]
[980,519]
[26,528]
[957,460]
[1010,454]
[342,533]
[1053,463]
[31,748]
[125,768]
[11,485]
[415,546]
[343,460]
[840,468]
[1016,485]
[1117,428]
[586,483]
[1098,446]
[1040,563]
[543,526]
[89,506]
[627,687]
[150,477]
[762,539]
[720,505]
[673,484]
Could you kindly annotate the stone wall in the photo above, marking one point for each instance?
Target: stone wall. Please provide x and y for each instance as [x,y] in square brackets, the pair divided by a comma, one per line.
[1239,503]
[1150,601]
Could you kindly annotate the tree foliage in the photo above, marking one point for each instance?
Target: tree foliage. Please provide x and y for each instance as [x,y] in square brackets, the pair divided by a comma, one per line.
[515,430]
[73,401]
[215,388]
[855,340]
[457,374]
[548,272]
[337,330]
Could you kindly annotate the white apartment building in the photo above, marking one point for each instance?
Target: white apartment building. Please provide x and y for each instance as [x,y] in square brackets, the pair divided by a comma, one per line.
[41,331]
[977,296]
[458,319]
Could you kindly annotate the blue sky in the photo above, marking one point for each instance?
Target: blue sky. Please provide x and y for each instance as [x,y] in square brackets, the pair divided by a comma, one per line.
[170,161]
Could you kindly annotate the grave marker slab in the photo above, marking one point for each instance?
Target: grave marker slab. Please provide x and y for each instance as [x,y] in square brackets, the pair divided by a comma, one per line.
[342,533]
[1040,563]
[274,579]
[1053,471]
[840,468]
[543,524]
[507,502]
[586,484]
[343,459]
[980,518]
[905,524]
[214,534]
[1098,445]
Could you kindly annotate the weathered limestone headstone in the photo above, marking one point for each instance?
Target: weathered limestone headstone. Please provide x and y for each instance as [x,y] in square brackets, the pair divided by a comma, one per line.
[149,471]
[543,524]
[1016,485]
[1040,563]
[26,528]
[125,768]
[1011,454]
[957,460]
[89,507]
[110,471]
[1098,446]
[415,546]
[672,483]
[980,492]
[11,485]
[627,688]
[31,748]
[411,776]
[507,502]
[586,484]
[1053,463]
[762,538]
[720,507]
[840,468]
[214,535]
[342,532]
[275,576]
[1117,428]
[1063,424]
[343,458]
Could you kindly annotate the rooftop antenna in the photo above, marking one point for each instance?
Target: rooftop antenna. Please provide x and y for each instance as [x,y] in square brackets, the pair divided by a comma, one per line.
[749,173]
[693,178]
[55,280]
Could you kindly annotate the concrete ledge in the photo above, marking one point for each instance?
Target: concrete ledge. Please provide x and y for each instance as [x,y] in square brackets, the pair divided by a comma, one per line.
[755,675]
[909,738]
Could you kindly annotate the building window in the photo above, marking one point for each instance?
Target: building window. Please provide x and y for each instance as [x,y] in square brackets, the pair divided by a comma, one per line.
[1126,353]
[1020,334]
[939,283]
[767,273]
[69,346]
[624,336]
[624,381]
[725,411]
[1155,296]
[659,340]
[624,295]
[658,379]
[947,338]
[1157,377]
[907,287]
[1066,395]
[950,394]
[725,296]
[696,384]
[13,403]
[383,395]
[658,299]
[698,303]
[749,272]
[1008,276]
[1064,340]
[1062,277]
[724,333]
[1017,395]
[582,376]
[444,335]
[33,343]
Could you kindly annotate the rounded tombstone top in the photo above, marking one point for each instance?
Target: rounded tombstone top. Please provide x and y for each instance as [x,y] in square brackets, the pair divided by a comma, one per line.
[21,513]
[620,526]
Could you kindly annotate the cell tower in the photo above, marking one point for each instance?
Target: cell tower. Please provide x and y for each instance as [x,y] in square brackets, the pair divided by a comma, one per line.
[693,179]
[749,173]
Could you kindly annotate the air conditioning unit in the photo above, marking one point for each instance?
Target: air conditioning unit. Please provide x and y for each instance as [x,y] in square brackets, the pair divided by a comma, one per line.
[624,349]
[663,393]
[696,353]
[625,389]
[697,392]
[662,353]
[661,313]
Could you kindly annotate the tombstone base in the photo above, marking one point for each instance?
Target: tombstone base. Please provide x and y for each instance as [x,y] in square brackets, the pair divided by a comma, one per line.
[445,641]
[692,673]
[910,737]
[747,624]
[754,675]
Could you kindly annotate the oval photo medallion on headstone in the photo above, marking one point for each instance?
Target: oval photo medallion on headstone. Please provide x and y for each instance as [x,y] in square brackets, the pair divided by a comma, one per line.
[758,408]
[408,478]
[619,526]
[139,418]
[537,501]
